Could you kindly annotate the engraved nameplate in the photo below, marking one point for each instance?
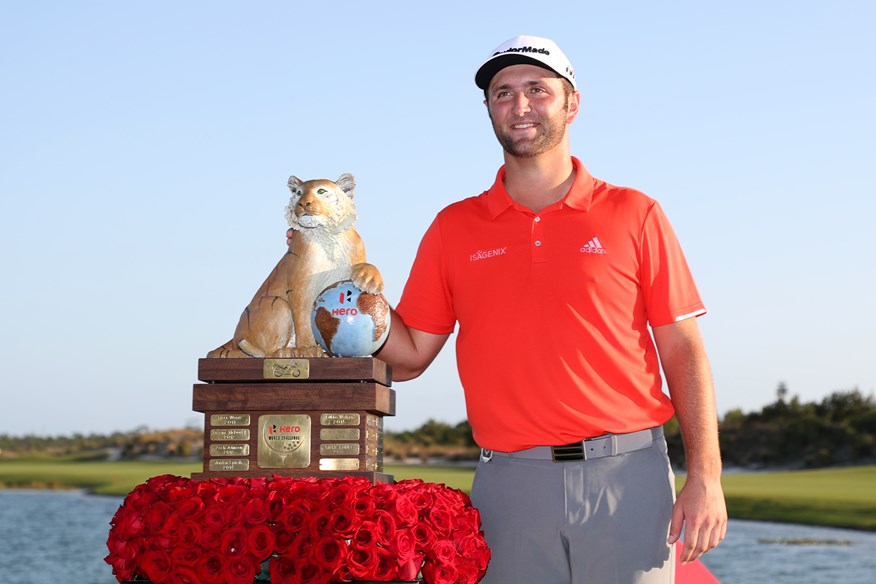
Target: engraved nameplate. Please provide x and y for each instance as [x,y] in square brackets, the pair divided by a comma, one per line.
[238,434]
[284,441]
[338,464]
[336,419]
[339,434]
[229,450]
[228,464]
[286,369]
[339,449]
[229,419]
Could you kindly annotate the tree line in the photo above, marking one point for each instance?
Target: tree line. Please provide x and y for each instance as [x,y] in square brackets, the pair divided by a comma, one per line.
[787,433]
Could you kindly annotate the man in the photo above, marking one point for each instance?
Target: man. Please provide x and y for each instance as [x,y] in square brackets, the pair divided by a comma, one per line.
[555,278]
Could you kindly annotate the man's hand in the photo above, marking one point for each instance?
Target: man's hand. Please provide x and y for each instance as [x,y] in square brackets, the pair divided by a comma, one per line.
[701,511]
[290,233]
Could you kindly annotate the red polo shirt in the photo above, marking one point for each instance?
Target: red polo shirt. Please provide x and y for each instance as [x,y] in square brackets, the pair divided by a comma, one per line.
[553,310]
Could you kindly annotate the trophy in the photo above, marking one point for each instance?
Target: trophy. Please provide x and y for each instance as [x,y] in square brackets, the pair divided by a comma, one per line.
[295,392]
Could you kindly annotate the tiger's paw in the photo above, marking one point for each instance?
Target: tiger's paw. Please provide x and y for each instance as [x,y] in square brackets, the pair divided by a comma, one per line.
[367,278]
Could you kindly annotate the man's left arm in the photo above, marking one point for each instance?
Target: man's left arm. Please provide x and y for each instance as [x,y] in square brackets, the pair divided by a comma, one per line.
[700,506]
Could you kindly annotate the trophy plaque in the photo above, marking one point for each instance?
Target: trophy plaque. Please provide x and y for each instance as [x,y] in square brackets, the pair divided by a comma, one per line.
[318,417]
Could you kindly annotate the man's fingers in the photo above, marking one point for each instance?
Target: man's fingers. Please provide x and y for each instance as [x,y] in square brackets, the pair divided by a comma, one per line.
[675,524]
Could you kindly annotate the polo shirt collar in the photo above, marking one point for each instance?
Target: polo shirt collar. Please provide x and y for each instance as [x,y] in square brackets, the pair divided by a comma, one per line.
[578,197]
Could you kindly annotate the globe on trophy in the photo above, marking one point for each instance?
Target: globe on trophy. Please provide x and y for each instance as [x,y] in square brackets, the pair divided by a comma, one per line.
[348,322]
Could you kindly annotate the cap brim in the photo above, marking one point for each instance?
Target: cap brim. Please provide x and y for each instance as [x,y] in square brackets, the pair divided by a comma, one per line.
[489,69]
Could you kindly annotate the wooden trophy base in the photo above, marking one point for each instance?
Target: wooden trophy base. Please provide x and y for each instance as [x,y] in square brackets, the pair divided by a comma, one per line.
[319,417]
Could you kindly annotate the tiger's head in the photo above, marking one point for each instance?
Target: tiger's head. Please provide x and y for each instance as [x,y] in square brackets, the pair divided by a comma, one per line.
[321,205]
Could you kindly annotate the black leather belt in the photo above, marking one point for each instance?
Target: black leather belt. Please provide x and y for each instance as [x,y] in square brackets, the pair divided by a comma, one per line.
[598,447]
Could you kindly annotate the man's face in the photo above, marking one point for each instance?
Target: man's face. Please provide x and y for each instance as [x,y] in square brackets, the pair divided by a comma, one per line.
[529,109]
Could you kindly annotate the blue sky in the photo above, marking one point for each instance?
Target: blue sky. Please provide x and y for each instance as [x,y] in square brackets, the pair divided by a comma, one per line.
[146,147]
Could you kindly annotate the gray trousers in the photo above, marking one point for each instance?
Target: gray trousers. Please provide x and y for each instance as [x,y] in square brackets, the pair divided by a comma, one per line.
[599,521]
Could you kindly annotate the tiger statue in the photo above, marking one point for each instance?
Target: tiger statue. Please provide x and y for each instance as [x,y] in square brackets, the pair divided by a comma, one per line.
[325,248]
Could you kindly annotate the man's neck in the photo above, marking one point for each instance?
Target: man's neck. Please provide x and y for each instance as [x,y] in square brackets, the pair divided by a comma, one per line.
[541,181]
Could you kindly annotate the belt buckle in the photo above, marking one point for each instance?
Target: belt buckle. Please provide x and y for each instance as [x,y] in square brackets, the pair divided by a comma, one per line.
[568,452]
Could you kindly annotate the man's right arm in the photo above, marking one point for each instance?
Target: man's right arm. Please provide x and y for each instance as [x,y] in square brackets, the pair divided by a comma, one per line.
[408,350]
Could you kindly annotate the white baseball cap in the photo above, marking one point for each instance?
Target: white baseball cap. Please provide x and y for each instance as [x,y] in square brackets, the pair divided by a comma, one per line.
[526,50]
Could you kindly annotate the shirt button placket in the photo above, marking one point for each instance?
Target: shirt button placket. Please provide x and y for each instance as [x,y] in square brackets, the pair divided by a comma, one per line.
[538,247]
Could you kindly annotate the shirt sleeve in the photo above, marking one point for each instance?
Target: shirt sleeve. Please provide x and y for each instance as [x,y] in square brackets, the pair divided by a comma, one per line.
[667,283]
[426,303]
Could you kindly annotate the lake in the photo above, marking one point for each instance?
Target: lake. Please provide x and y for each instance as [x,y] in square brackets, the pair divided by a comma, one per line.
[49,537]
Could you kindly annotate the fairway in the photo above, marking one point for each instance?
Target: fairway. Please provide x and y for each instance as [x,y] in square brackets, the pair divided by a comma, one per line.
[837,497]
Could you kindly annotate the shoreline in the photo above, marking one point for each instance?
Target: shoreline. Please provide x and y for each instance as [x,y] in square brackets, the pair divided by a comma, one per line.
[839,497]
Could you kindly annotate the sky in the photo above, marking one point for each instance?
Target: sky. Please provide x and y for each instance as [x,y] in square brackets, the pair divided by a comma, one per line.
[145,149]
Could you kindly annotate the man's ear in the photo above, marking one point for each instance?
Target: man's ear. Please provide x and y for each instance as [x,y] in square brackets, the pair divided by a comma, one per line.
[574,107]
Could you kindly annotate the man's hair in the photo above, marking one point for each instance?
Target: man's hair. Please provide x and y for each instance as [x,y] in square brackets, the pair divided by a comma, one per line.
[567,88]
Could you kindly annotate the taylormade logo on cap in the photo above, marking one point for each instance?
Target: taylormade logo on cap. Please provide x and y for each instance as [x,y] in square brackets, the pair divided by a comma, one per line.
[526,50]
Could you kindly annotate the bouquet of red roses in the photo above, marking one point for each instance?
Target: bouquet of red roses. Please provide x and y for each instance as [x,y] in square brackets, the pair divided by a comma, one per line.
[295,531]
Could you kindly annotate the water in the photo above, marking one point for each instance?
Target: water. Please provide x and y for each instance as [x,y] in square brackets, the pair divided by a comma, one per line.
[54,537]
[756,552]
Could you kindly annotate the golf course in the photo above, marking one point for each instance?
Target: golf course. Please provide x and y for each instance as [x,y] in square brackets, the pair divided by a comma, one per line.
[835,497]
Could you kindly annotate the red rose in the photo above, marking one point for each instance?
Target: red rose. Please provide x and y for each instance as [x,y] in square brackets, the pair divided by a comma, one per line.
[283,570]
[122,569]
[310,573]
[211,568]
[439,573]
[155,565]
[286,570]
[441,520]
[443,552]
[408,570]
[466,573]
[404,511]
[341,494]
[260,541]
[127,523]
[211,539]
[329,553]
[215,516]
[387,566]
[362,563]
[184,556]
[404,546]
[183,575]
[255,512]
[343,523]
[366,537]
[189,534]
[206,490]
[124,548]
[423,536]
[231,494]
[171,527]
[283,539]
[301,546]
[364,505]
[190,509]
[296,516]
[385,493]
[386,527]
[240,569]
[233,541]
[319,521]
[157,516]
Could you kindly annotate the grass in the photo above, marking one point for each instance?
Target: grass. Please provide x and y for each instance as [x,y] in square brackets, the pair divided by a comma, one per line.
[837,497]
